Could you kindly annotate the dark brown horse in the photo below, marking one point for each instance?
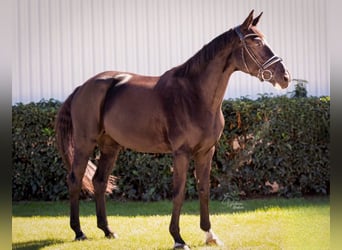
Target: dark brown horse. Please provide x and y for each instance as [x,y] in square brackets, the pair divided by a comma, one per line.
[178,113]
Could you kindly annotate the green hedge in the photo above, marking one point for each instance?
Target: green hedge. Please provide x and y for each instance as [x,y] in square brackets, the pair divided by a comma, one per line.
[271,145]
[282,141]
[38,172]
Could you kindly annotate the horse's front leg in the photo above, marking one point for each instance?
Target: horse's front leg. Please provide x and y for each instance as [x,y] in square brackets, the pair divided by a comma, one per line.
[202,167]
[180,168]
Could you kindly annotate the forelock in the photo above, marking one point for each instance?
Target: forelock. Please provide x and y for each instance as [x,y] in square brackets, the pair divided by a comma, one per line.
[258,32]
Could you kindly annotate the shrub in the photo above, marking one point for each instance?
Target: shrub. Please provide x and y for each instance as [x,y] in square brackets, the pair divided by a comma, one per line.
[270,145]
[280,141]
[38,172]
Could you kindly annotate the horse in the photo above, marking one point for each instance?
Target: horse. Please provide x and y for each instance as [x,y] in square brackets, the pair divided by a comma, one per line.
[178,112]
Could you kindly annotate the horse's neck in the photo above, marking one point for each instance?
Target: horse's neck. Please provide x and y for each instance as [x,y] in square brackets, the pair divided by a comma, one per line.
[214,87]
[212,68]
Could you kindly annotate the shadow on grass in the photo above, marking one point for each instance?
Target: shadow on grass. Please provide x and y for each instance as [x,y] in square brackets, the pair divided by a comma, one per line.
[115,208]
[33,245]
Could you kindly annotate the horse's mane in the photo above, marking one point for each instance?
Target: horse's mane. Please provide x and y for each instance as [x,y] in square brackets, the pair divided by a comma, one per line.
[203,56]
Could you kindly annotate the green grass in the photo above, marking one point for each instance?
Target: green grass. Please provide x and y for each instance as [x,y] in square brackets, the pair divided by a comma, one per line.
[253,224]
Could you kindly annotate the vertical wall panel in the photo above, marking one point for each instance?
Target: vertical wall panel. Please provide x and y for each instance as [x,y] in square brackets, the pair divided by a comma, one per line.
[59,44]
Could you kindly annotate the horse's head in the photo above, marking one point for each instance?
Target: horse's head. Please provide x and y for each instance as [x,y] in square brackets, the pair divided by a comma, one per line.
[254,56]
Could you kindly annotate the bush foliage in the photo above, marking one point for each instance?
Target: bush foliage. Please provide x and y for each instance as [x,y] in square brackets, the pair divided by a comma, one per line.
[271,145]
[38,171]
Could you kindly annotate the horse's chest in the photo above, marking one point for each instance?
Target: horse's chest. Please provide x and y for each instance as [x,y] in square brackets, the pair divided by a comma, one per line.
[213,131]
[201,135]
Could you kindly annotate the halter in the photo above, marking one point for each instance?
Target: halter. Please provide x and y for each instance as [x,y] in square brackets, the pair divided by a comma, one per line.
[262,67]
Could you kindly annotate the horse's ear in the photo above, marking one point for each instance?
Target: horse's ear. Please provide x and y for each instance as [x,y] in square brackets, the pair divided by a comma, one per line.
[247,23]
[256,20]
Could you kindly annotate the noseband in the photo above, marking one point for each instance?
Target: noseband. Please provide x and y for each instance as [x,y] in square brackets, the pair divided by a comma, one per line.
[262,67]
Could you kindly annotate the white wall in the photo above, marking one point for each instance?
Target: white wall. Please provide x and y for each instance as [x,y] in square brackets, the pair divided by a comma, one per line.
[61,43]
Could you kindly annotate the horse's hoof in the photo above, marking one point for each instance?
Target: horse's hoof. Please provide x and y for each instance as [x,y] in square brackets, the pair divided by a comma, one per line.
[112,236]
[181,246]
[212,239]
[216,242]
[81,237]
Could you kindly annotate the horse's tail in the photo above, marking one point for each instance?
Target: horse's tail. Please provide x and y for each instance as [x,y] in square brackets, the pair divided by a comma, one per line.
[65,145]
[64,131]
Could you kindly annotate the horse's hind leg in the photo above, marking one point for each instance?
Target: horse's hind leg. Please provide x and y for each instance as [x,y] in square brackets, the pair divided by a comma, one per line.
[109,153]
[79,164]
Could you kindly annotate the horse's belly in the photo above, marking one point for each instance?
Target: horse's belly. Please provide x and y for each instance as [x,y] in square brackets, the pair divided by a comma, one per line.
[140,142]
[140,131]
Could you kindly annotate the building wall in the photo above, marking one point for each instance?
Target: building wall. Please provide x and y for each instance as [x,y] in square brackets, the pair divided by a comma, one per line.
[59,44]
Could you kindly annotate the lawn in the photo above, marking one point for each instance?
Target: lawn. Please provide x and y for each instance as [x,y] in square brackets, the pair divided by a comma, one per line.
[252,224]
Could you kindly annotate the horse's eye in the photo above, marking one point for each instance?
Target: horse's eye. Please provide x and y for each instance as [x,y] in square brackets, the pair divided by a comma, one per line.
[258,42]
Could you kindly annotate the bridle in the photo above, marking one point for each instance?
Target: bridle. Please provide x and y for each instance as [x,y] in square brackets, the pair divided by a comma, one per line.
[262,67]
